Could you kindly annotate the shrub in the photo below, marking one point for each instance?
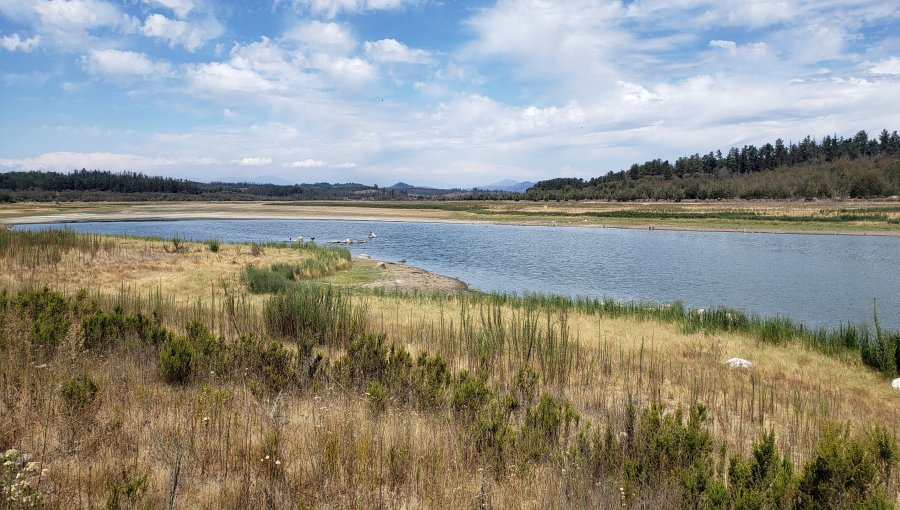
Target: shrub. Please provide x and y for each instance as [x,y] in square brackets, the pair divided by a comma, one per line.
[214,245]
[525,384]
[377,398]
[104,330]
[265,281]
[844,472]
[50,316]
[470,393]
[430,380]
[766,480]
[175,360]
[276,365]
[544,424]
[178,245]
[369,359]
[79,394]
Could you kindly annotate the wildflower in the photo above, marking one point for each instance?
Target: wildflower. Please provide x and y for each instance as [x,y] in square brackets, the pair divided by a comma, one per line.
[267,457]
[277,462]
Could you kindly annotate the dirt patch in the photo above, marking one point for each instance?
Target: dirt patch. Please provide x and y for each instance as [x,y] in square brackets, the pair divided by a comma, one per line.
[403,277]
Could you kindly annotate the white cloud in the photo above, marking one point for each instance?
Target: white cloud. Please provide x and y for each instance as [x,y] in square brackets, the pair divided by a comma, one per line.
[122,64]
[189,34]
[14,43]
[346,72]
[307,163]
[331,8]
[64,161]
[391,50]
[887,66]
[322,37]
[729,46]
[253,161]
[181,8]
[575,44]
[346,164]
[66,25]
[220,78]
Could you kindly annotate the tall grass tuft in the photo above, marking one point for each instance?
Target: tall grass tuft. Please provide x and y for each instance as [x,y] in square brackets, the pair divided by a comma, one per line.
[322,313]
[319,262]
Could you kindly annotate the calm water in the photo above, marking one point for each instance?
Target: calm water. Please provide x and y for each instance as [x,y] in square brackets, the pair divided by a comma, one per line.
[818,280]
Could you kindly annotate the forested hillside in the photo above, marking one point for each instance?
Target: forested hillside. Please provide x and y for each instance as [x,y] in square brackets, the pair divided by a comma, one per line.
[96,185]
[836,167]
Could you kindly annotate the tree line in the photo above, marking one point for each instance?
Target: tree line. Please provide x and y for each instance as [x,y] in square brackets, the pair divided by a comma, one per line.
[98,185]
[836,167]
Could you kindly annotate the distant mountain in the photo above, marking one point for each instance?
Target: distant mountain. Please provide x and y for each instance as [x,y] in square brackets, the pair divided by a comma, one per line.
[269,179]
[508,185]
[402,185]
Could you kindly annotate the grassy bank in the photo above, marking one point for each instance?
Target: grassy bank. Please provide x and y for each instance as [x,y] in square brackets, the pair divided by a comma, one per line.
[181,387]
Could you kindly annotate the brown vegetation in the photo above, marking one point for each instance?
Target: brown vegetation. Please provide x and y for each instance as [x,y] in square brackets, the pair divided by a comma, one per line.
[356,420]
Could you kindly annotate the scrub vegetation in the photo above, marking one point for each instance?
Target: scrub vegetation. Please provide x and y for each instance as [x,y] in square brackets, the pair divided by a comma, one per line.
[192,388]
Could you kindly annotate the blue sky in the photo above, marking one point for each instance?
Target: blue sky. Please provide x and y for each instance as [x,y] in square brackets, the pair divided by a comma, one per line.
[439,93]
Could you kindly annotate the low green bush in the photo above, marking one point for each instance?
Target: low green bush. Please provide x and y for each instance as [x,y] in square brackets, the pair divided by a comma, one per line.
[79,395]
[175,360]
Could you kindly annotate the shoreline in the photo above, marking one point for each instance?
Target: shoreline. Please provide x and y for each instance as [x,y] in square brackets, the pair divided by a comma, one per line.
[111,217]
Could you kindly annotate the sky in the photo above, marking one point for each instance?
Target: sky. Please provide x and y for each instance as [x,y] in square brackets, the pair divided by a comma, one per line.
[433,93]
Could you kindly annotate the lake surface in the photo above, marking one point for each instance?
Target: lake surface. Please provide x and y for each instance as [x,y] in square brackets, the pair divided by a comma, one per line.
[814,279]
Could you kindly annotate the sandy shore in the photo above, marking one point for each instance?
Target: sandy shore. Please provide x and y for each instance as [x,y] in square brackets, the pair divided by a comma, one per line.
[556,214]
[403,277]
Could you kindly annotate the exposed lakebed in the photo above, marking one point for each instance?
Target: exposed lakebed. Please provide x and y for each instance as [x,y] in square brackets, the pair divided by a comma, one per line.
[814,279]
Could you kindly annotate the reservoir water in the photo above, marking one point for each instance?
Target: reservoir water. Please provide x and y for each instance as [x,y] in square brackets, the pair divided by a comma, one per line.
[814,279]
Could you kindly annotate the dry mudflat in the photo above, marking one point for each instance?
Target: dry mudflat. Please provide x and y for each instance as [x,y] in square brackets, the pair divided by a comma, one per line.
[864,217]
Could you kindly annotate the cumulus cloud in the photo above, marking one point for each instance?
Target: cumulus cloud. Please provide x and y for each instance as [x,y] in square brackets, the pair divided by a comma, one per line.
[887,66]
[307,163]
[66,25]
[112,63]
[223,78]
[189,34]
[729,46]
[15,43]
[181,8]
[391,50]
[253,161]
[322,37]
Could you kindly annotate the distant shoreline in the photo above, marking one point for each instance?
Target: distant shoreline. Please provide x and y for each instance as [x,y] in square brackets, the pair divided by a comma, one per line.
[39,213]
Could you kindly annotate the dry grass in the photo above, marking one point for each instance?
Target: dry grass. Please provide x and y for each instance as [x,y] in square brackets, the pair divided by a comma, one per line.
[324,447]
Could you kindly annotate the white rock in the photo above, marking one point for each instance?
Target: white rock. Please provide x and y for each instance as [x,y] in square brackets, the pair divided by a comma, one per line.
[896,384]
[381,265]
[364,256]
[739,363]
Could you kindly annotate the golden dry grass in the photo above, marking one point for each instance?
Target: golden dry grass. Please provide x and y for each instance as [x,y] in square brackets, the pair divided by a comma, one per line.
[330,450]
